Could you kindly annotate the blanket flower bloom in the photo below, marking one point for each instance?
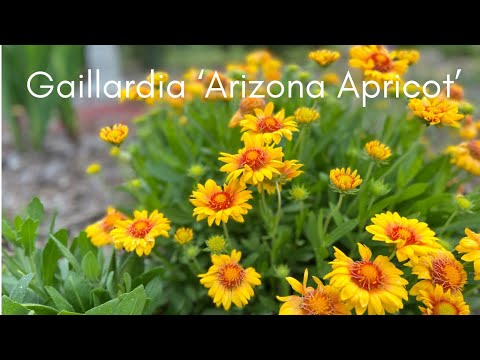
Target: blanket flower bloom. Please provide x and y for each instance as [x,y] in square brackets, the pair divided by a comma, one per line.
[375,285]
[140,232]
[183,235]
[255,162]
[345,181]
[114,135]
[324,300]
[436,111]
[411,237]
[466,156]
[99,232]
[440,302]
[228,282]
[216,204]
[324,57]
[440,268]
[267,125]
[378,151]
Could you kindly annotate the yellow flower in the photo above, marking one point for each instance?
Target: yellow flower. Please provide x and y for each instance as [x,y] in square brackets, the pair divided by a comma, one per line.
[411,56]
[469,130]
[345,181]
[466,156]
[287,172]
[114,135]
[114,151]
[258,57]
[306,115]
[221,81]
[377,63]
[158,77]
[365,284]
[140,232]
[246,107]
[324,300]
[93,168]
[194,89]
[219,205]
[270,127]
[438,268]
[216,244]
[436,111]
[376,150]
[183,235]
[470,245]
[324,57]
[255,162]
[99,232]
[331,78]
[228,282]
[271,70]
[440,302]
[410,237]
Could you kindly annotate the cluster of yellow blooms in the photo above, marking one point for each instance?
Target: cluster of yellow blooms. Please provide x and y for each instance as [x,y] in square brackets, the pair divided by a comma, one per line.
[371,284]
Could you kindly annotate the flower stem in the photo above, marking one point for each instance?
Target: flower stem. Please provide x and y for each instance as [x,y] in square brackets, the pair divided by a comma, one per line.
[392,254]
[279,210]
[329,218]
[299,143]
[227,236]
[449,220]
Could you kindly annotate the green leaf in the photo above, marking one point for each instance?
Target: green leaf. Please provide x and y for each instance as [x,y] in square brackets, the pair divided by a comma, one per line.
[68,255]
[412,191]
[8,233]
[99,296]
[35,209]
[107,308]
[77,292]
[28,233]
[154,291]
[60,302]
[128,281]
[41,309]
[10,307]
[133,303]
[146,277]
[81,245]
[90,266]
[340,231]
[51,254]
[19,291]
[112,289]
[65,312]
[18,223]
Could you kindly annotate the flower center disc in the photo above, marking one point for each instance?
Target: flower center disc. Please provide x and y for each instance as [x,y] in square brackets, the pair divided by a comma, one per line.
[345,180]
[474,149]
[220,201]
[367,275]
[382,62]
[316,303]
[445,308]
[447,274]
[399,232]
[254,158]
[269,124]
[231,275]
[140,228]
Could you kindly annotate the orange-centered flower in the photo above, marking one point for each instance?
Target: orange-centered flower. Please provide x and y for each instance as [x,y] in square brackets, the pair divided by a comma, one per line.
[324,300]
[440,268]
[466,156]
[440,302]
[228,282]
[255,162]
[269,126]
[114,135]
[216,204]
[378,151]
[140,232]
[436,111]
[99,232]
[365,284]
[324,57]
[344,181]
[410,237]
